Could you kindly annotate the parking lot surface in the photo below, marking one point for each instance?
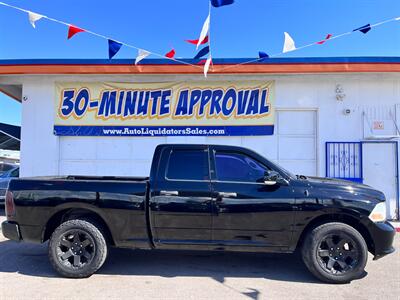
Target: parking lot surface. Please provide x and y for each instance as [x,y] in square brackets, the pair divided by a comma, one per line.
[25,273]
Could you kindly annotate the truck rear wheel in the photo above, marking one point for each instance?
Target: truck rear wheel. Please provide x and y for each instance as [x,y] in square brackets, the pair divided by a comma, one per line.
[335,253]
[77,248]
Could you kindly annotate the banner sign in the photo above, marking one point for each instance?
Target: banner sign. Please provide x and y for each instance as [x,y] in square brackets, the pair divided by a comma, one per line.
[164,109]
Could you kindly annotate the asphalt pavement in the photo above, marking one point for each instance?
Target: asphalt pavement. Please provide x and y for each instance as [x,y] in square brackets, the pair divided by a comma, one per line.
[25,273]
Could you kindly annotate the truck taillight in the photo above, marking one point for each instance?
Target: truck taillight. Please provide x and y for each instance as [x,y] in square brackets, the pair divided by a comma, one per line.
[10,207]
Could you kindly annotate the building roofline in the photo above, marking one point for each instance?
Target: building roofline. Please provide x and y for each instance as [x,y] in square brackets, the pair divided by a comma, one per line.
[220,66]
[217,61]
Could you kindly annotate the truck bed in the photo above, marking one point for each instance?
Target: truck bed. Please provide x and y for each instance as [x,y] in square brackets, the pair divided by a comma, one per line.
[118,201]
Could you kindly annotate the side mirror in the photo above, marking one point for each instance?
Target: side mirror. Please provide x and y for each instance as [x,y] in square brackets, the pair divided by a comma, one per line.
[273,177]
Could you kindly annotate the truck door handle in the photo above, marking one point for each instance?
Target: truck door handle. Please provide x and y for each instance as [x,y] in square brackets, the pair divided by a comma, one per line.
[227,195]
[169,193]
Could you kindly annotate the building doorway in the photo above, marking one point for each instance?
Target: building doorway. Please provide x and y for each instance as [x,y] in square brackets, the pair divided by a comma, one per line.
[296,131]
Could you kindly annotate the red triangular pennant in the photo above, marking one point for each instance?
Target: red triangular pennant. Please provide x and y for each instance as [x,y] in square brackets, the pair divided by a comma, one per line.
[194,42]
[170,54]
[72,30]
[323,41]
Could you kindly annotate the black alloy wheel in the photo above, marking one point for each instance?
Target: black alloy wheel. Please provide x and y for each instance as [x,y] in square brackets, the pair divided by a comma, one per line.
[76,249]
[335,252]
[338,253]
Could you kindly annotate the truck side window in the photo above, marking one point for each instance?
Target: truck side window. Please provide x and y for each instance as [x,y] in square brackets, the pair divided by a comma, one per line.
[188,165]
[238,167]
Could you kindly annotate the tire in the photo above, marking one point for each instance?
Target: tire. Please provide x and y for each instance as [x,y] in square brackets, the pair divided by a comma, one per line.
[335,253]
[77,248]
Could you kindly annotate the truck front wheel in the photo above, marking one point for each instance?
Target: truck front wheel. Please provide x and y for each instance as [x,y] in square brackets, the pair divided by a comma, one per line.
[335,253]
[77,248]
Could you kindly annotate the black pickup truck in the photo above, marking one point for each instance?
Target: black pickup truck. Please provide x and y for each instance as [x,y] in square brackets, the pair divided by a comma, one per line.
[202,197]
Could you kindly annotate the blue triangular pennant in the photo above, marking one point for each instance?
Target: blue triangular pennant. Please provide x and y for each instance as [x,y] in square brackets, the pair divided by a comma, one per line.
[202,52]
[218,3]
[262,55]
[364,29]
[113,48]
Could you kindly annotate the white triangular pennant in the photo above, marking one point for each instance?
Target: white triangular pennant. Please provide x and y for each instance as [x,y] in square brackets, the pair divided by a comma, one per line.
[289,43]
[207,66]
[33,17]
[142,54]
[204,31]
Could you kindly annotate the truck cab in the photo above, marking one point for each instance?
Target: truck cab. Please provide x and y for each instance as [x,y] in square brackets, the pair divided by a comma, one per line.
[216,197]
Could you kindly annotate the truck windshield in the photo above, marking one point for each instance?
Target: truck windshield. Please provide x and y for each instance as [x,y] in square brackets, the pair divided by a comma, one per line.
[282,170]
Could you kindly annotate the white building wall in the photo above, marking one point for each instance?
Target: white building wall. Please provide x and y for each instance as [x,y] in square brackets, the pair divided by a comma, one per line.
[42,153]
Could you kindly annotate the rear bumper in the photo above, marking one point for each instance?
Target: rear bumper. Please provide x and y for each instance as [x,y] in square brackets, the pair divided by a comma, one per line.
[382,235]
[11,230]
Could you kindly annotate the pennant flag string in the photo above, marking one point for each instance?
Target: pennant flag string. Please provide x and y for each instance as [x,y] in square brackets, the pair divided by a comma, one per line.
[306,46]
[114,45]
[93,33]
[384,22]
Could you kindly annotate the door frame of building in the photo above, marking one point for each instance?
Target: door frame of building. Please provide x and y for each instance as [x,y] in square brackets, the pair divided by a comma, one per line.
[396,144]
[313,109]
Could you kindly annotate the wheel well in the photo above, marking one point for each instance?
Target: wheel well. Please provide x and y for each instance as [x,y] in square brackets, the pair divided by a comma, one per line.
[69,214]
[346,219]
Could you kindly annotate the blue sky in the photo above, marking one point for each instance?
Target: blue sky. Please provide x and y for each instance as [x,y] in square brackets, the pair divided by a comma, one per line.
[238,30]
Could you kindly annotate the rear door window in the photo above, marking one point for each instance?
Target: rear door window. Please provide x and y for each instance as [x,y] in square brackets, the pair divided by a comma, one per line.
[185,164]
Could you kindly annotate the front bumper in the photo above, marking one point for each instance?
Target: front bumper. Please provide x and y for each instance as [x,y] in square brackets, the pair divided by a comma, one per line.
[382,234]
[11,230]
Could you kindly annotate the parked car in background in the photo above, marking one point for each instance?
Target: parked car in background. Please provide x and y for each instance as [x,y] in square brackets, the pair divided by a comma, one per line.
[6,167]
[7,171]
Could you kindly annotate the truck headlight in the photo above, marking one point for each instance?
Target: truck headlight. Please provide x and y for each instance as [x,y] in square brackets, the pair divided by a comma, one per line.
[378,214]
